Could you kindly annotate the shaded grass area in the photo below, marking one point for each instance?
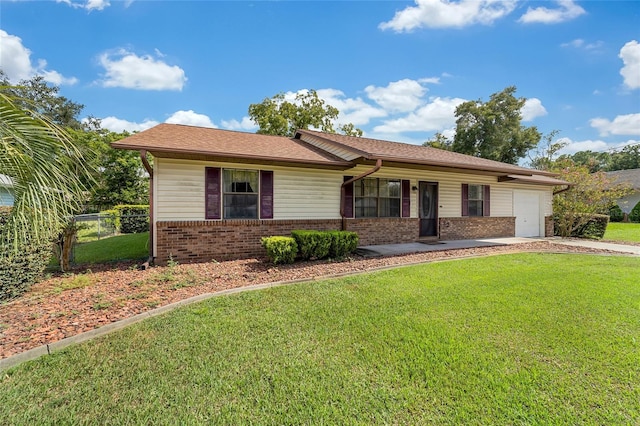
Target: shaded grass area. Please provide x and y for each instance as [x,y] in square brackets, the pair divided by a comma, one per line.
[618,231]
[516,339]
[112,249]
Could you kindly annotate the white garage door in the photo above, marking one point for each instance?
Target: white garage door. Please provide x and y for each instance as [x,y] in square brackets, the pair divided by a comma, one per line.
[526,209]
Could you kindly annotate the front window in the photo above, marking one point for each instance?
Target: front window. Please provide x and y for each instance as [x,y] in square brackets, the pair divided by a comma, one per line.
[240,194]
[476,200]
[377,197]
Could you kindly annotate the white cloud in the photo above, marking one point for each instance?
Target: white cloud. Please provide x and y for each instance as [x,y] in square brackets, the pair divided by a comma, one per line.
[630,55]
[532,108]
[246,124]
[190,118]
[398,96]
[16,62]
[352,110]
[128,70]
[590,145]
[628,124]
[568,10]
[118,125]
[581,44]
[88,4]
[449,14]
[437,115]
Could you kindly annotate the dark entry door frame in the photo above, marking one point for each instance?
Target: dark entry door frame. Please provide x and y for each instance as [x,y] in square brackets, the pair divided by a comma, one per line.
[428,208]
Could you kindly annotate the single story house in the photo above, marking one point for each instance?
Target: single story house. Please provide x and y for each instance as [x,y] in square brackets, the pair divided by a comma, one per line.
[631,178]
[215,193]
[6,191]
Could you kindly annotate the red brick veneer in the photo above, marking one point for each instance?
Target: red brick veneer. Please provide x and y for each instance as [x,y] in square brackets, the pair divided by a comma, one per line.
[465,228]
[205,240]
[548,226]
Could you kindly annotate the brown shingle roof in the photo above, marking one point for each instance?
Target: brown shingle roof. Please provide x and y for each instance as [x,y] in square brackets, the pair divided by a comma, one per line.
[415,154]
[180,141]
[630,177]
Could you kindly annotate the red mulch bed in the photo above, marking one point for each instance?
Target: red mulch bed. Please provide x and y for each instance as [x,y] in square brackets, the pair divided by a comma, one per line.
[69,304]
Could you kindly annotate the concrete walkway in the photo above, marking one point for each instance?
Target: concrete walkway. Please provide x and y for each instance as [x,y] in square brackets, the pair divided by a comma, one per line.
[417,247]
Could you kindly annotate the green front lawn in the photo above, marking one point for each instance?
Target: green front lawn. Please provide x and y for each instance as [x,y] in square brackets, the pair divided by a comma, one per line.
[112,249]
[618,231]
[512,339]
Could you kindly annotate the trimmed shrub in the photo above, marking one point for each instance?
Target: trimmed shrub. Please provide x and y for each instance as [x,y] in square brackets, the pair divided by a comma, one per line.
[342,243]
[19,271]
[593,226]
[312,244]
[634,216]
[133,219]
[615,214]
[111,219]
[280,249]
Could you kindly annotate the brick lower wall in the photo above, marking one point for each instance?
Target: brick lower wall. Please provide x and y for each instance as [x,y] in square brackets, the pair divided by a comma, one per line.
[465,228]
[548,226]
[204,241]
[391,230]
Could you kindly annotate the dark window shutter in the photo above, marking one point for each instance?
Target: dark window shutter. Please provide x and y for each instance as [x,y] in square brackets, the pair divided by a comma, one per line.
[266,194]
[348,198]
[406,198]
[465,199]
[486,202]
[213,192]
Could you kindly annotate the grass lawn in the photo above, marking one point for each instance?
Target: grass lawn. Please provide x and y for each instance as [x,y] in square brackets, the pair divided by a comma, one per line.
[512,339]
[112,249]
[618,231]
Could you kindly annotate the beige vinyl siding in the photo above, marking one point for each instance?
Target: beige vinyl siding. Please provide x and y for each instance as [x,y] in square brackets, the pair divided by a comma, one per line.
[307,193]
[450,189]
[298,193]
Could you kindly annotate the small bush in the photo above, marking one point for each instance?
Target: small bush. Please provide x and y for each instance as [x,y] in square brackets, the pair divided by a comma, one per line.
[19,272]
[134,219]
[280,249]
[111,219]
[342,243]
[591,226]
[313,244]
[615,214]
[634,216]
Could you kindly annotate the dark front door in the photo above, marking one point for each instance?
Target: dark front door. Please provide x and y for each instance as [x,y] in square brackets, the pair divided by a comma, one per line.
[428,193]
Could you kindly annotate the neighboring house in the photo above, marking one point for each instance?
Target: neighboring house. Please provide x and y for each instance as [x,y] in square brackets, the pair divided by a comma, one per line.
[632,178]
[215,193]
[6,191]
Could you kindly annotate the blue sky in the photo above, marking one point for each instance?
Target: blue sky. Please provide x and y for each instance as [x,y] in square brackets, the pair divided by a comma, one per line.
[396,69]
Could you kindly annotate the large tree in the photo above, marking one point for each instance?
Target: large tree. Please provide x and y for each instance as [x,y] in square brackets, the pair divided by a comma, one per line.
[493,129]
[35,94]
[119,175]
[279,116]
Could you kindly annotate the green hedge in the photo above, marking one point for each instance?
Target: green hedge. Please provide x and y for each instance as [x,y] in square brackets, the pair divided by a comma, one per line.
[313,244]
[19,272]
[634,216]
[128,218]
[134,219]
[342,243]
[593,228]
[615,214]
[280,249]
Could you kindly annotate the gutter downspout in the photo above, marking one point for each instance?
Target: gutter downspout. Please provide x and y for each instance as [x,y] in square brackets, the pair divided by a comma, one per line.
[560,191]
[149,169]
[350,181]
